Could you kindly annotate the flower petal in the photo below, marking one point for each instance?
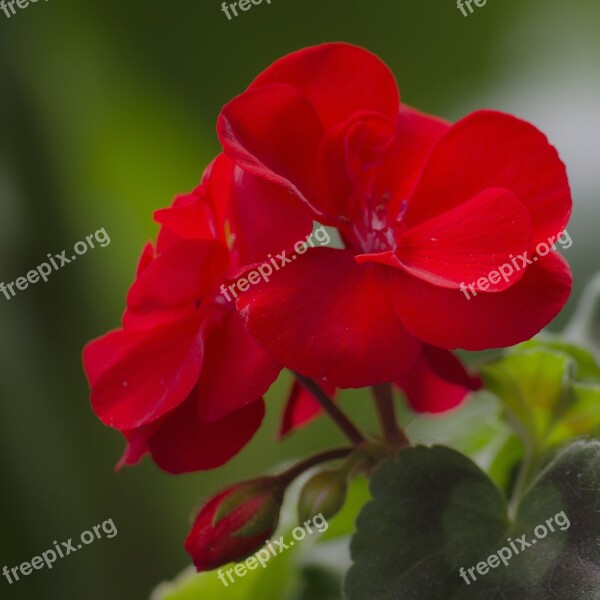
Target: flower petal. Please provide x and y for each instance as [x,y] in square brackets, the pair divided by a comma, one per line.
[274,133]
[202,214]
[338,79]
[177,279]
[183,443]
[236,370]
[446,318]
[301,407]
[146,258]
[328,318]
[152,372]
[438,382]
[468,242]
[137,444]
[489,149]
[189,218]
[416,135]
[349,157]
[266,219]
[101,354]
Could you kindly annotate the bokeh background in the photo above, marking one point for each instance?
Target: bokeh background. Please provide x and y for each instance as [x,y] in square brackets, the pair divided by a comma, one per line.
[107,110]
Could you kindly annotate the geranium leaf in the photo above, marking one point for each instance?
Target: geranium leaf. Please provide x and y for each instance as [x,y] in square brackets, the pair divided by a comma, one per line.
[534,385]
[551,387]
[434,511]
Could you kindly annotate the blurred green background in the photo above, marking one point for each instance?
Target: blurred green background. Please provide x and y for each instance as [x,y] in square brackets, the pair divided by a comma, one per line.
[107,110]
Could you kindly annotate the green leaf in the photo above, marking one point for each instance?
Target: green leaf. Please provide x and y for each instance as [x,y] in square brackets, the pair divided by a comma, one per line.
[472,429]
[274,582]
[583,416]
[434,511]
[278,581]
[431,507]
[550,388]
[319,583]
[587,367]
[502,470]
[534,385]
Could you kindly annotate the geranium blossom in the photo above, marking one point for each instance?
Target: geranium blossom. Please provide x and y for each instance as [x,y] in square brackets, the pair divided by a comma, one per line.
[182,379]
[421,206]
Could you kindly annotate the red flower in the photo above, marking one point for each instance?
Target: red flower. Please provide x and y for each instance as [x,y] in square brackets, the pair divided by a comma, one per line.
[421,206]
[235,523]
[182,379]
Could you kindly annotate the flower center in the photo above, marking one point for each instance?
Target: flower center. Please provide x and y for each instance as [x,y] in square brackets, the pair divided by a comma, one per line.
[373,231]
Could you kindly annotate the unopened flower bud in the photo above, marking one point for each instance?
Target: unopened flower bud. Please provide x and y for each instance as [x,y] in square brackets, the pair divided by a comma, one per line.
[235,523]
[325,493]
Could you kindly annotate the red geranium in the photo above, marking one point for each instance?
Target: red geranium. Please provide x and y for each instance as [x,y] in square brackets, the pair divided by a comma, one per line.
[182,379]
[421,206]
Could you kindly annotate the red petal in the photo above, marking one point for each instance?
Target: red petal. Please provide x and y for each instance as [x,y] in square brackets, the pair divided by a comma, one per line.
[274,133]
[266,218]
[152,373]
[213,546]
[145,259]
[183,443]
[349,157]
[446,318]
[219,180]
[416,135]
[438,382]
[202,214]
[467,242]
[103,352]
[329,318]
[338,79]
[137,444]
[235,372]
[489,149]
[184,274]
[301,407]
[188,219]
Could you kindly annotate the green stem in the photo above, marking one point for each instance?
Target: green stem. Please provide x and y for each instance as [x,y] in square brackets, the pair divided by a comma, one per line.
[288,476]
[343,422]
[527,471]
[386,411]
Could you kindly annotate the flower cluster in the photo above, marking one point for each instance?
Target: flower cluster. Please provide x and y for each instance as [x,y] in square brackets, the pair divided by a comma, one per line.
[419,205]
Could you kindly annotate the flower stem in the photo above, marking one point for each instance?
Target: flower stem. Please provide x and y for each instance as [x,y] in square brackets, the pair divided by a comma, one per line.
[343,422]
[386,411]
[288,476]
[527,471]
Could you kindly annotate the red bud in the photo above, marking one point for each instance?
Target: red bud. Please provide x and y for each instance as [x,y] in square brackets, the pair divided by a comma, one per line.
[235,523]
